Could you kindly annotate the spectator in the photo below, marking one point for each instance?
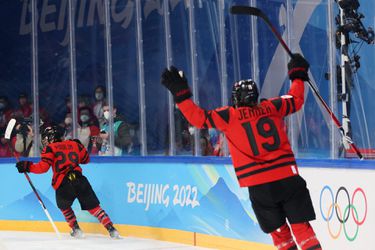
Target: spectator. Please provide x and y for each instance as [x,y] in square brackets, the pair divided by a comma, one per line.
[217,142]
[206,147]
[5,111]
[4,146]
[24,106]
[68,127]
[68,105]
[83,101]
[97,106]
[123,133]
[183,134]
[88,129]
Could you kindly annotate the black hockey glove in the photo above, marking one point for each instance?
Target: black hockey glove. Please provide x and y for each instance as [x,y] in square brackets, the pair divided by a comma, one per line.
[298,67]
[176,84]
[23,166]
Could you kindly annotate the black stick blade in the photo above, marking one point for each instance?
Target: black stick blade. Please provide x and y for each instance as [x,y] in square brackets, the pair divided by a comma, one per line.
[245,10]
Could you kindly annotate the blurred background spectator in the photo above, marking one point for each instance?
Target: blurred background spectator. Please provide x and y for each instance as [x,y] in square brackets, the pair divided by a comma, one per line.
[99,101]
[5,112]
[88,129]
[84,101]
[124,134]
[217,140]
[4,147]
[24,105]
[67,126]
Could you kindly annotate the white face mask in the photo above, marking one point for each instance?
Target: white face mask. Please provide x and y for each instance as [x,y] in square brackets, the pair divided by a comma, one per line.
[84,118]
[106,114]
[99,96]
[191,130]
[68,120]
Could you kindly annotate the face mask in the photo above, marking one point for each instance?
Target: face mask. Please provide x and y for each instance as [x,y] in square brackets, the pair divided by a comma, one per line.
[191,130]
[99,96]
[84,118]
[106,114]
[68,120]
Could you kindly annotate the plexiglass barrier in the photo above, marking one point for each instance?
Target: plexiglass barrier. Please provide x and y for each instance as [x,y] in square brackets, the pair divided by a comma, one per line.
[93,68]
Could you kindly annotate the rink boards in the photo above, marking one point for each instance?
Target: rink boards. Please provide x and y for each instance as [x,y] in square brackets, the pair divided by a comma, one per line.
[196,201]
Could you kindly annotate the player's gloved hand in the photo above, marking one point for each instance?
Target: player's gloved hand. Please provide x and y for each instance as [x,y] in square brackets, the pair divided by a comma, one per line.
[298,67]
[24,166]
[176,84]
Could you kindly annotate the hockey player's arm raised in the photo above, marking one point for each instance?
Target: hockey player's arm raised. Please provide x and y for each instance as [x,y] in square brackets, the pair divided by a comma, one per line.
[293,101]
[177,84]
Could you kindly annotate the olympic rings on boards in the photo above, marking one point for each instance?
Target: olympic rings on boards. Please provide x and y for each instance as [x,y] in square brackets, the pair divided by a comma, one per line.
[343,218]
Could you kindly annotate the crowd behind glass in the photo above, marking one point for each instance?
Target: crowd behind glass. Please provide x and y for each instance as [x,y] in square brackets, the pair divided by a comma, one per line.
[93,114]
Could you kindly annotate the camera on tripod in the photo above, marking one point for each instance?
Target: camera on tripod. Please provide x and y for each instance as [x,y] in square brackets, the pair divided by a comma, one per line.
[352,22]
[348,4]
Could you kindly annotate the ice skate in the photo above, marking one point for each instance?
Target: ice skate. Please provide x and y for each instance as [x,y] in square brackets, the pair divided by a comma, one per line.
[77,232]
[113,233]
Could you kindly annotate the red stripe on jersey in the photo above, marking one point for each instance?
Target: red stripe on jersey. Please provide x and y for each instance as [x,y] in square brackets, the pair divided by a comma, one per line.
[262,169]
[269,176]
[238,169]
[265,166]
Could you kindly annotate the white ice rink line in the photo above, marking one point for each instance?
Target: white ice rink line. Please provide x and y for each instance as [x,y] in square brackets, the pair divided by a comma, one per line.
[11,240]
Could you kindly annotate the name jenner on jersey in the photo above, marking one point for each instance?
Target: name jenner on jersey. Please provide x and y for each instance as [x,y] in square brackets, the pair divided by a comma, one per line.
[246,113]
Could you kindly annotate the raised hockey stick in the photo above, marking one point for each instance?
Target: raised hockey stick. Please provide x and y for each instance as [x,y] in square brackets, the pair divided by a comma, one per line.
[246,10]
[8,133]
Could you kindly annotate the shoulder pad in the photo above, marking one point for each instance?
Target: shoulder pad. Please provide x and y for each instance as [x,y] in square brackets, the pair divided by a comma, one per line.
[47,150]
[76,140]
[277,102]
[224,114]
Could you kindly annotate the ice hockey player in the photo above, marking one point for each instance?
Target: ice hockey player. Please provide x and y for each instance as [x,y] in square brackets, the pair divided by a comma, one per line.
[260,151]
[65,156]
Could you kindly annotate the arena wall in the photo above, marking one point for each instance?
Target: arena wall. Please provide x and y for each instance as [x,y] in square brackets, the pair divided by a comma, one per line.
[195,201]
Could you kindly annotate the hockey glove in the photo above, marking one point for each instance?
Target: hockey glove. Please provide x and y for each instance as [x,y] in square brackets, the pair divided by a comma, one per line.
[298,67]
[24,166]
[176,84]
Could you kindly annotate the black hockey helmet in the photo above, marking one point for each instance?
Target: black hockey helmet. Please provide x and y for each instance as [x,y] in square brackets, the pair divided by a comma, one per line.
[50,134]
[245,93]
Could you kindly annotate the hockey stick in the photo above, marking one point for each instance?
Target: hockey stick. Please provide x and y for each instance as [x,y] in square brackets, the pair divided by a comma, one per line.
[7,136]
[246,10]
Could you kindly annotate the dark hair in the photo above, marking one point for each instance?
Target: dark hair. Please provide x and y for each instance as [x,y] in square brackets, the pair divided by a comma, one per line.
[107,104]
[22,95]
[102,88]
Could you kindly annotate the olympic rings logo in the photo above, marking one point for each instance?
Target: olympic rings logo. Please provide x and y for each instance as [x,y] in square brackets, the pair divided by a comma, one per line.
[334,207]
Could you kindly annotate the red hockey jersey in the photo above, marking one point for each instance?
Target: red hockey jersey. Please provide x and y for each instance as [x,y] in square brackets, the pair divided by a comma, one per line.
[257,140]
[64,157]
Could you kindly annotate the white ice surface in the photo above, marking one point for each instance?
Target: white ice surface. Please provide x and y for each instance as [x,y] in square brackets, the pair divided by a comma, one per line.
[49,241]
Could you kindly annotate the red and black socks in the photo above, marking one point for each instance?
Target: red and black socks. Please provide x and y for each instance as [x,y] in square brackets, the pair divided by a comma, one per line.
[102,216]
[70,217]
